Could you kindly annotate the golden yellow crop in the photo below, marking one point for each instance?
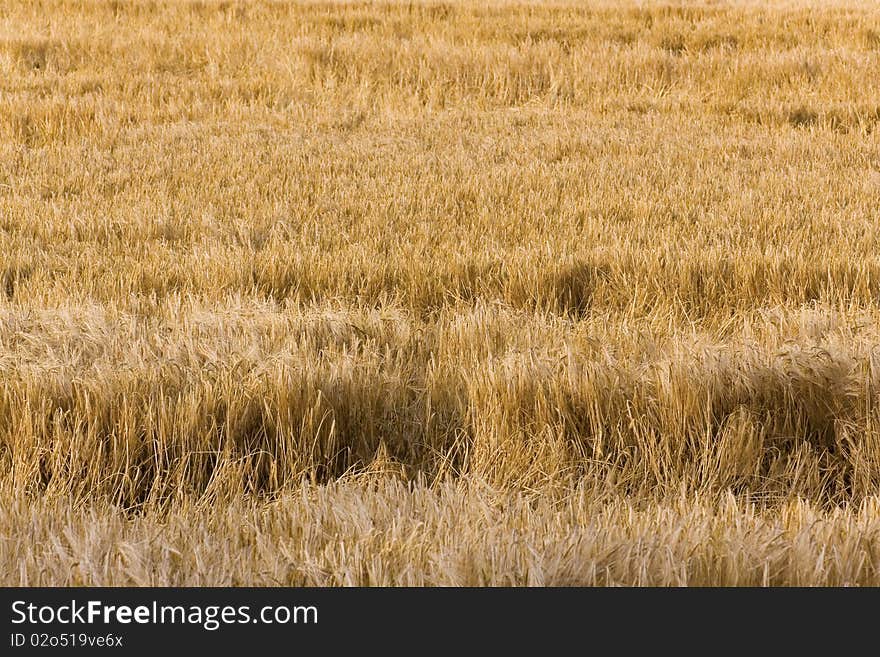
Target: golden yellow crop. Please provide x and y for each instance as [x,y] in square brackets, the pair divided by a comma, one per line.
[363,292]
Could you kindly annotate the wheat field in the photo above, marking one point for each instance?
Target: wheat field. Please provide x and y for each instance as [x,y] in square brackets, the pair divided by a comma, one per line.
[439,293]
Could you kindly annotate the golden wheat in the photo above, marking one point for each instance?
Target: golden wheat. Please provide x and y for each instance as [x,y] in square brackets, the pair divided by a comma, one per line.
[497,292]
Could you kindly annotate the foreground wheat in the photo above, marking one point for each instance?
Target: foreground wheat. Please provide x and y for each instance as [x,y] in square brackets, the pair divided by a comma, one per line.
[315,293]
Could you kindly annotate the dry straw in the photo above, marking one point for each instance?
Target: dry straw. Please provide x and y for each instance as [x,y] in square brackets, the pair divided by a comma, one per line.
[438,293]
